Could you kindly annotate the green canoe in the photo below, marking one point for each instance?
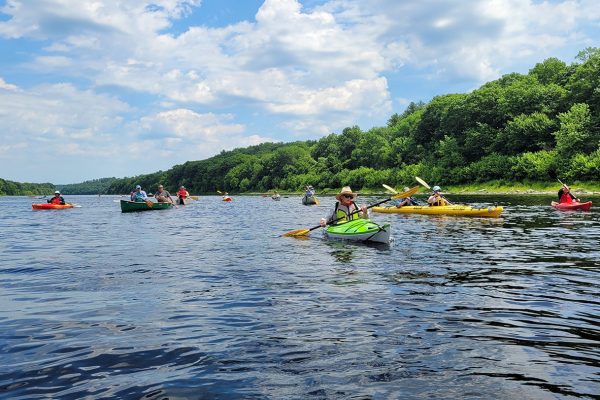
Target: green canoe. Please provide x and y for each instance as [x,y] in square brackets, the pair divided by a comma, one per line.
[131,206]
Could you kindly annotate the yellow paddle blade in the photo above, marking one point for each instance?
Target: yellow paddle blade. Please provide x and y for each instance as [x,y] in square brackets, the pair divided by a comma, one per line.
[391,189]
[149,203]
[422,182]
[408,193]
[316,201]
[297,232]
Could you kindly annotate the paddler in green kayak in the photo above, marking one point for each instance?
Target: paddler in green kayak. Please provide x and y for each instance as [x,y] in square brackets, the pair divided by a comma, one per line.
[344,207]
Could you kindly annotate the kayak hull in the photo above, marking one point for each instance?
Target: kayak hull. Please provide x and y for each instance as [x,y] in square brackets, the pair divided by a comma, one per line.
[132,206]
[48,206]
[455,210]
[227,199]
[359,230]
[572,206]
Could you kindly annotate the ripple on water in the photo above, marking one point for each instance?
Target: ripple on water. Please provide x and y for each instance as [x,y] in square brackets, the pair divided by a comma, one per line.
[209,301]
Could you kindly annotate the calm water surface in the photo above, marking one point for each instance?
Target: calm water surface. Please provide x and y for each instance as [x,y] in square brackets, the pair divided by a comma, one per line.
[208,301]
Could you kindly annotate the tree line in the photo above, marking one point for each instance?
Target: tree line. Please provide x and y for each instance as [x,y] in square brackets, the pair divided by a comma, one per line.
[537,126]
[10,188]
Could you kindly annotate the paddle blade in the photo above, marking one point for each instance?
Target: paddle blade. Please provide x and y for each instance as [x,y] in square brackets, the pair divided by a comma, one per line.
[391,189]
[297,233]
[408,193]
[422,182]
[149,203]
[316,201]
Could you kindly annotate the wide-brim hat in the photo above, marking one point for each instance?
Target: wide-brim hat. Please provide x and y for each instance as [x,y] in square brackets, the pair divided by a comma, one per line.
[346,190]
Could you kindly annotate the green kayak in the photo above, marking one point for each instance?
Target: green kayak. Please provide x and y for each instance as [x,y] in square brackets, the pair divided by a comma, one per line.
[360,230]
[131,206]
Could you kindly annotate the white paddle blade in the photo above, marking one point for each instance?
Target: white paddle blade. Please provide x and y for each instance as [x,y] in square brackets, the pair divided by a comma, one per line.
[391,189]
[422,182]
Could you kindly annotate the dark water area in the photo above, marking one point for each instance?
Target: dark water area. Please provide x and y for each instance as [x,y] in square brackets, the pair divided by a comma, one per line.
[208,301]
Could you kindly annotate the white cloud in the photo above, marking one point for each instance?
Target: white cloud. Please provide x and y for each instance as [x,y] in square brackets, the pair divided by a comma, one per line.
[7,86]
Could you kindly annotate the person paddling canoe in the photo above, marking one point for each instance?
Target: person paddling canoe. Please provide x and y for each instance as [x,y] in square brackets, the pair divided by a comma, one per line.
[182,195]
[163,196]
[139,196]
[344,208]
[57,199]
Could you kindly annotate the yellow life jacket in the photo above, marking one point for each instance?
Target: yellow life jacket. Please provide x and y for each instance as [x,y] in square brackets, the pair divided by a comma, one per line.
[344,212]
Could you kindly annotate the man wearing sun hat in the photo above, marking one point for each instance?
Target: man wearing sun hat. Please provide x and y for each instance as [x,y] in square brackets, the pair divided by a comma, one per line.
[345,208]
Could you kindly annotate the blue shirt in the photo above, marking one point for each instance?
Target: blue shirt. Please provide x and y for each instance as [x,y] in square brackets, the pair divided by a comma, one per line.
[140,196]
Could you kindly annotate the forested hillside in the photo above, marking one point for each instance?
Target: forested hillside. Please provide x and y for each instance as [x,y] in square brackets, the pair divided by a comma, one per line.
[10,188]
[535,127]
[94,186]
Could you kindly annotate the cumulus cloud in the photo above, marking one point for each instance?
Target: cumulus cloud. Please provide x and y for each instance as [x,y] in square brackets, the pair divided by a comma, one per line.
[185,133]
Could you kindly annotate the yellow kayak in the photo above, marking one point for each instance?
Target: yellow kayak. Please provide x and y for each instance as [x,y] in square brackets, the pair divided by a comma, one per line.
[458,210]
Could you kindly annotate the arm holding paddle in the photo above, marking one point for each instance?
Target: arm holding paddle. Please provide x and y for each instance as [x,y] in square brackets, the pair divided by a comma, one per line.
[436,198]
[304,232]
[566,191]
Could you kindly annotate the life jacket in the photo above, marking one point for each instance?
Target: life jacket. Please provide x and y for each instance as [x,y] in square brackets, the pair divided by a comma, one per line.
[343,215]
[440,201]
[56,200]
[138,198]
[566,198]
[183,193]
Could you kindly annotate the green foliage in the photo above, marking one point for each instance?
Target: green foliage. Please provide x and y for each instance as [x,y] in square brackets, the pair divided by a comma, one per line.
[10,188]
[95,186]
[575,134]
[526,132]
[584,167]
[540,166]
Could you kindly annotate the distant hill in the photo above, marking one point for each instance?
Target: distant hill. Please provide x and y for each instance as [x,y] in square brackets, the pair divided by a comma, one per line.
[95,186]
[10,188]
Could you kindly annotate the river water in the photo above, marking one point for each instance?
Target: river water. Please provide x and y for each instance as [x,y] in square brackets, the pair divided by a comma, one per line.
[208,301]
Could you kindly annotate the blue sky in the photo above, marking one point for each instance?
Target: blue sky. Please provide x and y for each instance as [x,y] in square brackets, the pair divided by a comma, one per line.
[92,89]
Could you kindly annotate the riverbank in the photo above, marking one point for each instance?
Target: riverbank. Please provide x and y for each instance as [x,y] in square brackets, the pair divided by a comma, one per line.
[500,188]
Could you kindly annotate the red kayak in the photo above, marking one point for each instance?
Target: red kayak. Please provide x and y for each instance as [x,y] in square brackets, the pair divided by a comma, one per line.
[48,206]
[572,206]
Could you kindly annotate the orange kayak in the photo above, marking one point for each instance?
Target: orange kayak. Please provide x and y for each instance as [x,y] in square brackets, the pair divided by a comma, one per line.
[48,206]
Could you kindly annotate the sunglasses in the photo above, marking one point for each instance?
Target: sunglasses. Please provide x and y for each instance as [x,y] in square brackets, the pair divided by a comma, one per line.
[348,196]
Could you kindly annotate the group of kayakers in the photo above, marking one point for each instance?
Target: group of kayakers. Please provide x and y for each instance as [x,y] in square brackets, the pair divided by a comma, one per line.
[161,195]
[345,208]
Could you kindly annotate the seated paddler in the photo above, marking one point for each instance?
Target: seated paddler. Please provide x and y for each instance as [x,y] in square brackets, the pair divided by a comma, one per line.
[345,208]
[436,199]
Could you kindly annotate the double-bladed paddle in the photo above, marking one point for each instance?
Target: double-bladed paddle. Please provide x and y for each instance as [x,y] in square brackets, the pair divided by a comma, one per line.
[304,232]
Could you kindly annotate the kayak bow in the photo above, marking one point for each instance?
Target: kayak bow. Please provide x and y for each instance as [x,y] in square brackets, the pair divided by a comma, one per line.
[359,230]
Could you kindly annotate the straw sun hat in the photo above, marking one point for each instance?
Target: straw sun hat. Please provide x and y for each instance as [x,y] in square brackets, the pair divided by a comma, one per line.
[346,190]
